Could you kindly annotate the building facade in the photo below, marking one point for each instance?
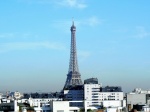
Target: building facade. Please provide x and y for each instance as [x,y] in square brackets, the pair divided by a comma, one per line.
[97,96]
[138,97]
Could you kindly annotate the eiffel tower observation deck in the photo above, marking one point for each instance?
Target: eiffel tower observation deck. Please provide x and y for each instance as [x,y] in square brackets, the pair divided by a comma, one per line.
[73,76]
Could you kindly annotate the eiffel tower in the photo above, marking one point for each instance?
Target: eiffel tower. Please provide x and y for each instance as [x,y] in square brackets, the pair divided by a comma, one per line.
[73,76]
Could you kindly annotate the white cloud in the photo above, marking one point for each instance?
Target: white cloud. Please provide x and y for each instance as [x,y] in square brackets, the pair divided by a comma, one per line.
[72,3]
[121,30]
[90,21]
[65,24]
[141,33]
[5,47]
[80,4]
[93,21]
[7,35]
[36,1]
[83,55]
[15,35]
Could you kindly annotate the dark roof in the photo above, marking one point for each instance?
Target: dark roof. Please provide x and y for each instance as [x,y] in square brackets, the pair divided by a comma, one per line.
[91,81]
[39,95]
[7,104]
[111,89]
[74,87]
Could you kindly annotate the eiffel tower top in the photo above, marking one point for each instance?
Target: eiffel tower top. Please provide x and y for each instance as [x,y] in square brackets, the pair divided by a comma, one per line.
[73,27]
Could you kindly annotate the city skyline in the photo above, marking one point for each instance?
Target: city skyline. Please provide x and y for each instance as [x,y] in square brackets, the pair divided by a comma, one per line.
[112,43]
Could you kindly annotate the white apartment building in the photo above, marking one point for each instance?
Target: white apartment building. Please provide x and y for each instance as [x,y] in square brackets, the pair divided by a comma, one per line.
[92,94]
[97,96]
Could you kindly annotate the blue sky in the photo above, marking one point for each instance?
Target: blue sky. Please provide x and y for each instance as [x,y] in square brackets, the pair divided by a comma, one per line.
[112,43]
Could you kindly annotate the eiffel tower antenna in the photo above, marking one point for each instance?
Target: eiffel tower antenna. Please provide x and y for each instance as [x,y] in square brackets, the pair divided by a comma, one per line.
[73,21]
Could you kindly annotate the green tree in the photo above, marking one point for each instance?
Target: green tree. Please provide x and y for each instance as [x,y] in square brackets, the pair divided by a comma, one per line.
[82,110]
[89,110]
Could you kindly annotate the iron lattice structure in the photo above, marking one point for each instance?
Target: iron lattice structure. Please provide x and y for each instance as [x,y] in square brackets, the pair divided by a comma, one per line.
[73,76]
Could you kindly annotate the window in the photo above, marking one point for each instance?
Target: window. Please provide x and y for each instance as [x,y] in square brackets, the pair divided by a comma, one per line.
[60,110]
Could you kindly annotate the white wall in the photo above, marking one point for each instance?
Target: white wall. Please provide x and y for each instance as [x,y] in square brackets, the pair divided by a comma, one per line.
[112,103]
[62,106]
[136,99]
[114,110]
[114,95]
[111,109]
